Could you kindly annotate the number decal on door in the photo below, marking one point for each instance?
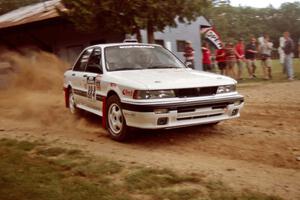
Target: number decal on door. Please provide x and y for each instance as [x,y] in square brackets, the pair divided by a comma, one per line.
[91,87]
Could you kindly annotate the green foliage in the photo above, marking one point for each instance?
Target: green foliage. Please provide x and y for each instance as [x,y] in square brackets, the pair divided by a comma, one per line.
[129,16]
[235,22]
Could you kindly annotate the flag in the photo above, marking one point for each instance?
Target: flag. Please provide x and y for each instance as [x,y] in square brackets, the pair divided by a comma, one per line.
[211,35]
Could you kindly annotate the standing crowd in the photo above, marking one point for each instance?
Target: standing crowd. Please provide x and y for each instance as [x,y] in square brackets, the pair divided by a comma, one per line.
[231,58]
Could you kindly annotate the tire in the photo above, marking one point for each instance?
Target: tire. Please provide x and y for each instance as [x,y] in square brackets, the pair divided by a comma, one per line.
[115,121]
[72,105]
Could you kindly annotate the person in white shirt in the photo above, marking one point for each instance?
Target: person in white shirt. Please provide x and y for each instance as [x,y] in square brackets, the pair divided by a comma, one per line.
[281,53]
[265,50]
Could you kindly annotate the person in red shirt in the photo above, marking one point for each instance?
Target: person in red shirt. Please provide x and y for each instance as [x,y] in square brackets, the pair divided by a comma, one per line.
[206,57]
[189,54]
[230,59]
[240,57]
[221,59]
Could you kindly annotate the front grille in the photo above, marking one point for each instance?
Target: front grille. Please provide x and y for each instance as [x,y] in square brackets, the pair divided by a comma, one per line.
[199,117]
[193,108]
[196,92]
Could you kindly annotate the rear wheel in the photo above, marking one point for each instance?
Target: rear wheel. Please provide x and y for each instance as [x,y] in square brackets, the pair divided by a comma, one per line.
[116,124]
[72,104]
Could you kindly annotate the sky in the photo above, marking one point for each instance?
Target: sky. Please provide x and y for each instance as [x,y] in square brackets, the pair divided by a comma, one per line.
[259,3]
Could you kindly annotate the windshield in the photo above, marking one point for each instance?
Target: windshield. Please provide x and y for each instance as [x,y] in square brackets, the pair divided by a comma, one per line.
[132,57]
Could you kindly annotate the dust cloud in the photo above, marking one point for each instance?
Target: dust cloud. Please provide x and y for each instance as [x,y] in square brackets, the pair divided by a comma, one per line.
[32,90]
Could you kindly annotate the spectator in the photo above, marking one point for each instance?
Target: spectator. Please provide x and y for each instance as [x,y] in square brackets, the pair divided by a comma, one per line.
[221,59]
[240,58]
[206,57]
[288,55]
[230,59]
[265,49]
[281,53]
[250,55]
[189,54]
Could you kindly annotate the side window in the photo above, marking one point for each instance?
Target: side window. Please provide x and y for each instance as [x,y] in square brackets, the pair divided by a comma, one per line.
[180,45]
[94,64]
[83,60]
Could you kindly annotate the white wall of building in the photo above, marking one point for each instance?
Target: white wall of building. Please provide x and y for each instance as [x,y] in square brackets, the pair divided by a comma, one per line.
[187,32]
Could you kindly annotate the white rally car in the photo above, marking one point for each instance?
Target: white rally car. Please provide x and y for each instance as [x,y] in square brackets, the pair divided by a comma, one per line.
[146,86]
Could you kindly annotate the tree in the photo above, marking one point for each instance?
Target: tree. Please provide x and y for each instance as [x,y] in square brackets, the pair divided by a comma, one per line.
[235,22]
[129,16]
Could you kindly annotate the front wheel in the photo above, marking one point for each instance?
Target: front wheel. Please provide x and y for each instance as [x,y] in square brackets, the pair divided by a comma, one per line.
[115,121]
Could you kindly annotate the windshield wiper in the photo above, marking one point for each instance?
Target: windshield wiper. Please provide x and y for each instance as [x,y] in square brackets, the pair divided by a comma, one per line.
[125,68]
[161,67]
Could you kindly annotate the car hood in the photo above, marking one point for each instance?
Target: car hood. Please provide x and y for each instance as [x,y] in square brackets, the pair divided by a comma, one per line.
[155,79]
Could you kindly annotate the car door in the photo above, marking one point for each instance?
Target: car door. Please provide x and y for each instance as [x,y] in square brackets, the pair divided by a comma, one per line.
[93,74]
[77,77]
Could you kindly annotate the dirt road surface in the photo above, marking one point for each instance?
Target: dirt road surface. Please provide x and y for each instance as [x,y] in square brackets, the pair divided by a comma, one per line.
[259,151]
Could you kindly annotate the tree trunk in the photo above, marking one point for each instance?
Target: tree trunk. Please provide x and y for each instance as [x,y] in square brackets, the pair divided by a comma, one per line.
[150,32]
[138,35]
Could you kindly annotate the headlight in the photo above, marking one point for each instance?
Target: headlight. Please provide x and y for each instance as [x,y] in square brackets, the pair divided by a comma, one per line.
[153,94]
[226,88]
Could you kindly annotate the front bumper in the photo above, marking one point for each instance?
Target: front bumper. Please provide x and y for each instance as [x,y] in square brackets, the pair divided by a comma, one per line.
[184,113]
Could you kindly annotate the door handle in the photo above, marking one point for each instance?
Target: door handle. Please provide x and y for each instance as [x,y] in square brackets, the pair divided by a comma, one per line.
[73,74]
[85,75]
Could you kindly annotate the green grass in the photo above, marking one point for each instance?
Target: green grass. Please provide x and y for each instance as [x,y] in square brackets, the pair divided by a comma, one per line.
[36,171]
[144,179]
[277,74]
[218,191]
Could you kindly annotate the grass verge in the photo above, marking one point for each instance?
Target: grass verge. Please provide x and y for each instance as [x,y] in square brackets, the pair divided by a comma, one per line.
[35,171]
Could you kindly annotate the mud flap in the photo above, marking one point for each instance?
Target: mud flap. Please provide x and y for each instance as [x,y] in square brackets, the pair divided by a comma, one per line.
[66,90]
[104,114]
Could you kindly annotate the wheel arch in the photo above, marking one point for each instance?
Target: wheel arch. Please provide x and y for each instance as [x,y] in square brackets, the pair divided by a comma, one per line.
[104,106]
[111,93]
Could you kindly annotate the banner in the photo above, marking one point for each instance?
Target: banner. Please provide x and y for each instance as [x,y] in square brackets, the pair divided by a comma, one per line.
[212,36]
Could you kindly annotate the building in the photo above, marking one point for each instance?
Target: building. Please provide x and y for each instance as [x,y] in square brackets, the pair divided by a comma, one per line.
[174,38]
[39,25]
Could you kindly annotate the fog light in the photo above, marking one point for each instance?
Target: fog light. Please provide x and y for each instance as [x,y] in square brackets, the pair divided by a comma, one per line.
[161,111]
[237,103]
[162,121]
[235,112]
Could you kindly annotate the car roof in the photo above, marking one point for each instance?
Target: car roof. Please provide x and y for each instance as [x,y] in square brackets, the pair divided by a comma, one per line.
[118,44]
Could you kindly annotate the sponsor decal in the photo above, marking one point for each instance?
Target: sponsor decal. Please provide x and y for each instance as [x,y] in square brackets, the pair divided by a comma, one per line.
[79,92]
[84,94]
[91,87]
[98,82]
[127,92]
[113,85]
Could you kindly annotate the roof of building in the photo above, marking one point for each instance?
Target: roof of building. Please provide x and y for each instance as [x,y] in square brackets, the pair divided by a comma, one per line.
[31,13]
[204,22]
